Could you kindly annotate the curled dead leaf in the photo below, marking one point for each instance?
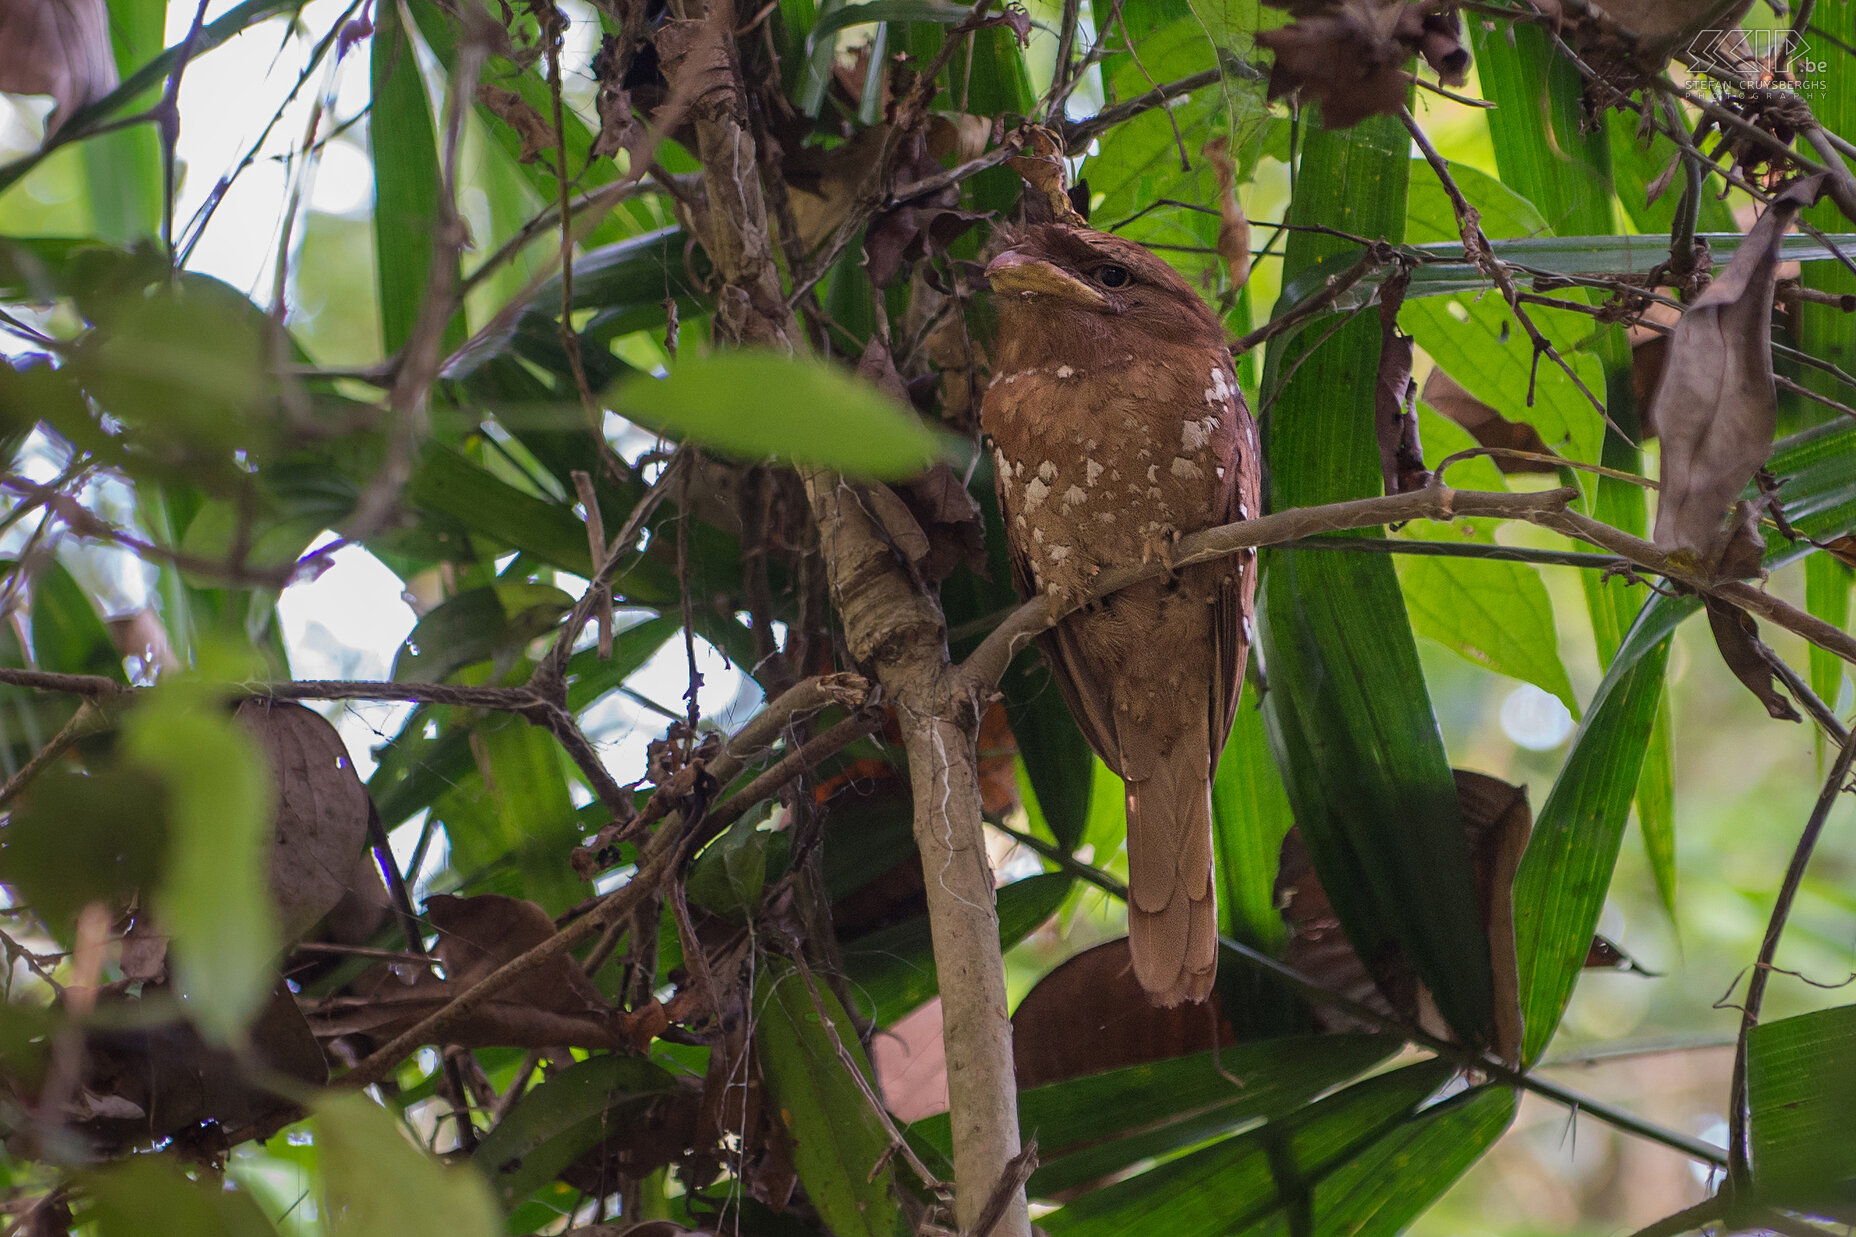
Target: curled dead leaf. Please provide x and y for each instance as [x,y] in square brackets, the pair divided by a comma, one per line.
[320,824]
[513,110]
[1046,176]
[1486,425]
[1395,397]
[1090,1015]
[1749,657]
[554,1004]
[1233,226]
[1350,55]
[59,48]
[1716,404]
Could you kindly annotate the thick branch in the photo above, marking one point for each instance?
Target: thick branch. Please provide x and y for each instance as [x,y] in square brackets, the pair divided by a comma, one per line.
[893,626]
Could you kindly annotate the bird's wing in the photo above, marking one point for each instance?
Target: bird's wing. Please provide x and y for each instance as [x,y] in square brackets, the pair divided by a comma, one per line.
[1237,591]
[1081,689]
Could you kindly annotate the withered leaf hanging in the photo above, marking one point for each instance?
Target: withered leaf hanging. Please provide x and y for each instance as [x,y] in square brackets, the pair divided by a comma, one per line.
[1716,403]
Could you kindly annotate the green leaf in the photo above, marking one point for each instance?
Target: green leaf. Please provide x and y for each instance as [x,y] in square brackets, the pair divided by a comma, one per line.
[515,810]
[449,483]
[1495,614]
[756,404]
[476,625]
[406,181]
[839,1147]
[1636,162]
[68,636]
[1348,714]
[375,1183]
[151,1196]
[563,1118]
[1801,1089]
[936,12]
[1656,806]
[892,969]
[1276,1174]
[1385,1189]
[1475,340]
[1827,595]
[1092,1127]
[65,845]
[1430,216]
[1441,270]
[1250,818]
[214,899]
[1560,888]
[123,169]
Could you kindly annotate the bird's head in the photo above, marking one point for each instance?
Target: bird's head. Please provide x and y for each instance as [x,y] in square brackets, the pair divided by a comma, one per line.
[1057,280]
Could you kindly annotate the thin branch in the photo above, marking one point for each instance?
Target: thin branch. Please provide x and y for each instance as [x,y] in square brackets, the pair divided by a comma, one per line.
[1434,502]
[1738,1149]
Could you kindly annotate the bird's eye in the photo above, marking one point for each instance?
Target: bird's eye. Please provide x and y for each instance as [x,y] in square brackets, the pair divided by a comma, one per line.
[1113,276]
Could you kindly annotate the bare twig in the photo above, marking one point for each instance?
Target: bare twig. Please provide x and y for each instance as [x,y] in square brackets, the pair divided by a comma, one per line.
[1738,1150]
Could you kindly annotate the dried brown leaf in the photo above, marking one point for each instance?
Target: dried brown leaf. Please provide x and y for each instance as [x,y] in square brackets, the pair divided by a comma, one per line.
[1347,58]
[513,110]
[1047,178]
[1395,397]
[59,48]
[554,1004]
[1090,1015]
[1233,226]
[1716,403]
[1487,426]
[320,824]
[1737,636]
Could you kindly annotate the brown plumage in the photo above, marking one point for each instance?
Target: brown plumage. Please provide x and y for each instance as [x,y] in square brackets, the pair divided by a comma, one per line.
[1118,426]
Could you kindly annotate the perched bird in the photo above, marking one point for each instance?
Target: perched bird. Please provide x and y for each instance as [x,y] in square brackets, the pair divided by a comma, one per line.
[1117,427]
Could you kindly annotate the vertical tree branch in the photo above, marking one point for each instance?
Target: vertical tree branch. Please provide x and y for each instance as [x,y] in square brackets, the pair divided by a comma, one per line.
[893,626]
[890,624]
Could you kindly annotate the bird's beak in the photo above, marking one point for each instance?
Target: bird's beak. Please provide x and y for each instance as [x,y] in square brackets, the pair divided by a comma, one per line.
[1013,271]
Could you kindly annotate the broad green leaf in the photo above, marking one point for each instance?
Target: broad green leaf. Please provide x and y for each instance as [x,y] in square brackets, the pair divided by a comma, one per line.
[563,1118]
[65,845]
[756,404]
[1827,585]
[1801,1090]
[406,180]
[730,874]
[486,504]
[590,676]
[1441,270]
[1430,217]
[514,813]
[839,1146]
[1243,1184]
[1656,805]
[68,636]
[892,969]
[1250,817]
[151,1196]
[376,1183]
[1495,614]
[476,625]
[1560,888]
[1475,340]
[1348,714]
[1637,161]
[1091,1127]
[124,168]
[1392,1184]
[1565,167]
[214,899]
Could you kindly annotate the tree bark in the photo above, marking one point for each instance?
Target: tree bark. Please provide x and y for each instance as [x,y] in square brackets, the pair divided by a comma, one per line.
[895,627]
